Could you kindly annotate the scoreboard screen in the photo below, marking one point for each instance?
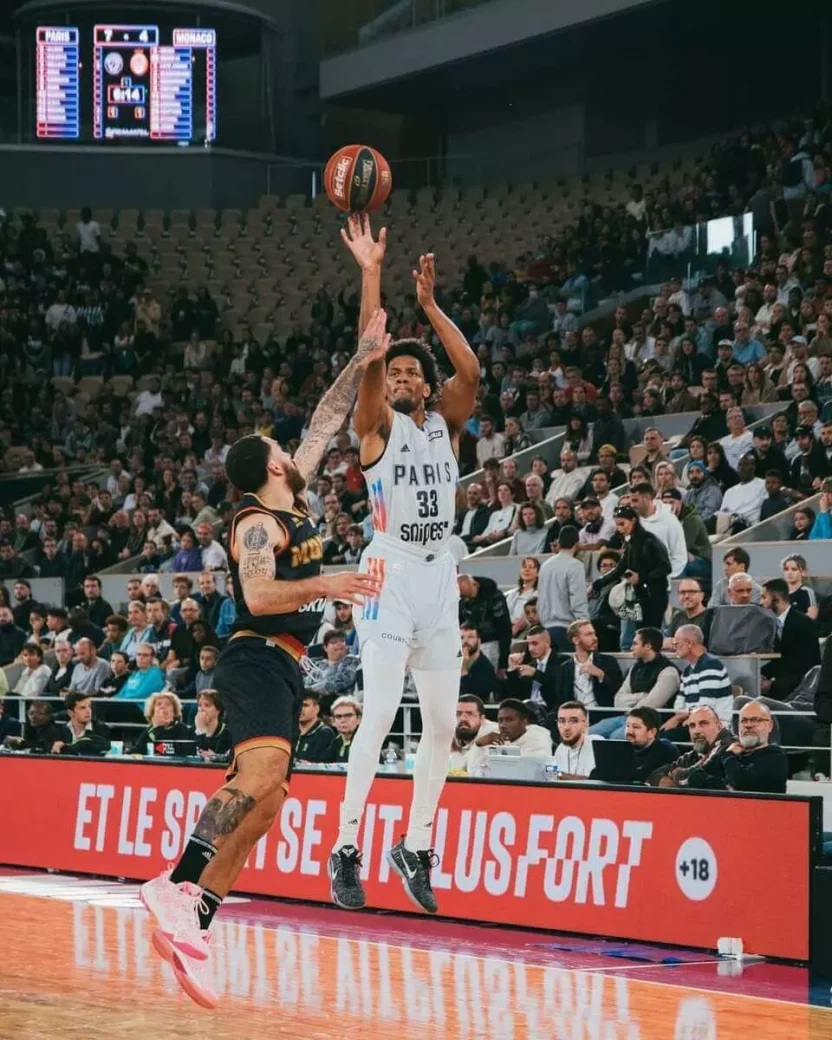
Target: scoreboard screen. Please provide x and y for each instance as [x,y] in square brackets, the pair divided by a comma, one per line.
[148,84]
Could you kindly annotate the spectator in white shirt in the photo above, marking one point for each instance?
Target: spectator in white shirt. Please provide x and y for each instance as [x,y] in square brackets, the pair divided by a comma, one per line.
[491,444]
[743,501]
[574,756]
[659,520]
[158,529]
[214,557]
[739,441]
[500,521]
[763,317]
[515,730]
[470,724]
[35,675]
[148,400]
[60,311]
[89,232]
[568,480]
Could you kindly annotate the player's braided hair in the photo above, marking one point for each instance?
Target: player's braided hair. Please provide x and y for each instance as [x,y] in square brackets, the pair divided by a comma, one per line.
[424,355]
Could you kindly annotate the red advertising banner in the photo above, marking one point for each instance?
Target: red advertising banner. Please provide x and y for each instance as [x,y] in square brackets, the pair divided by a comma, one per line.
[647,866]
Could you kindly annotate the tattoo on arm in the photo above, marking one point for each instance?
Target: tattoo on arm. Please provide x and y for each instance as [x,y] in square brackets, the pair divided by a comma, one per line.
[333,408]
[221,815]
[256,537]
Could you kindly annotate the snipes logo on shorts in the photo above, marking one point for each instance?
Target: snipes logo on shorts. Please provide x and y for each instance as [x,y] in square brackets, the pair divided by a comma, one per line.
[393,638]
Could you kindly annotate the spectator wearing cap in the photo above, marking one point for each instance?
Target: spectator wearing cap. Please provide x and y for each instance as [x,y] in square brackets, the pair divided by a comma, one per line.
[696,536]
[742,502]
[57,629]
[681,399]
[822,527]
[766,455]
[598,528]
[704,494]
[810,466]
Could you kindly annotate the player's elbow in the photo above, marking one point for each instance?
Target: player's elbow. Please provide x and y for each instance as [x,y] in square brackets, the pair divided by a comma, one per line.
[256,599]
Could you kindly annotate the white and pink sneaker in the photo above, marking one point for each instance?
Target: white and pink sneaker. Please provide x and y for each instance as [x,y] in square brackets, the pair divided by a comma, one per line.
[176,909]
[194,976]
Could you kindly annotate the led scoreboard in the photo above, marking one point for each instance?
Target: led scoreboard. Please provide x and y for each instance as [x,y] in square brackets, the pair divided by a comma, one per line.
[148,84]
[57,86]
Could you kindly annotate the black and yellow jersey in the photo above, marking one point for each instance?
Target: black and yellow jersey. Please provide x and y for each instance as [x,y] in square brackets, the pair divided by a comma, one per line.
[301,557]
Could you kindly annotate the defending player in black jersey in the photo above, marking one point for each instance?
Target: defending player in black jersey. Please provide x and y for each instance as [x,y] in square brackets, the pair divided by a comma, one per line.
[275,559]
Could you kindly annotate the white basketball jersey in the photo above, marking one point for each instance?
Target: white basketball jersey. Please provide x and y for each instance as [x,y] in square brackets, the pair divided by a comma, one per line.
[413,485]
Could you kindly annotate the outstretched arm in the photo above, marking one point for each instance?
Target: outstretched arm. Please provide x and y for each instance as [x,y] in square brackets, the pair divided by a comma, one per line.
[259,538]
[372,413]
[459,393]
[335,405]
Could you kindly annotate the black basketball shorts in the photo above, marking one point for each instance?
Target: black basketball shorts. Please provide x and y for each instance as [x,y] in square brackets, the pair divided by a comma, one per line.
[261,690]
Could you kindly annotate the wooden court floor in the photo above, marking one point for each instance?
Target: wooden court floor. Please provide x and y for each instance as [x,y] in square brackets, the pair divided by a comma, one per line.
[77,964]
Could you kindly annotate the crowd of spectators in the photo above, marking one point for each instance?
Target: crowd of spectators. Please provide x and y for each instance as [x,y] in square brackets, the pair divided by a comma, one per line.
[79,324]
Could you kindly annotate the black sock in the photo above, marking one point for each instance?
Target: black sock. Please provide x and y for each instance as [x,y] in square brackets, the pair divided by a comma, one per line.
[196,857]
[211,902]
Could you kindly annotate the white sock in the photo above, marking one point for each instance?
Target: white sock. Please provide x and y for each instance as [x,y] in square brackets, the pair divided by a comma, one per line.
[438,695]
[383,671]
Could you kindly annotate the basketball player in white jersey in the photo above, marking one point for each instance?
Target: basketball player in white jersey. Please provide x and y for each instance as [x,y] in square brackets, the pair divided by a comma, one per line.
[409,427]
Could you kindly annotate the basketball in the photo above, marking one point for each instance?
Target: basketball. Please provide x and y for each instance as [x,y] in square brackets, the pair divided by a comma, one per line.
[357,179]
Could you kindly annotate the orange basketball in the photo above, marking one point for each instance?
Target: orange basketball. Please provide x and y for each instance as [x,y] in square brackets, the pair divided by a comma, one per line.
[357,179]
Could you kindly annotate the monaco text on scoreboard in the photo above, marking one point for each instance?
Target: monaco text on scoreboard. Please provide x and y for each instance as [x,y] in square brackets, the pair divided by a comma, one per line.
[57,82]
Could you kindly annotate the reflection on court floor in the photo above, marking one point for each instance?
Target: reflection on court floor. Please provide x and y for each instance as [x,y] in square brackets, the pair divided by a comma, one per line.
[87,958]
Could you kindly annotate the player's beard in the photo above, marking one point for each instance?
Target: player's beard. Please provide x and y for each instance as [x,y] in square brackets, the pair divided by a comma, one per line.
[404,405]
[294,480]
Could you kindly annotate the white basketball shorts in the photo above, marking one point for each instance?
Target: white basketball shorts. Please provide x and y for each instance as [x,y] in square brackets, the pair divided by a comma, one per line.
[418,606]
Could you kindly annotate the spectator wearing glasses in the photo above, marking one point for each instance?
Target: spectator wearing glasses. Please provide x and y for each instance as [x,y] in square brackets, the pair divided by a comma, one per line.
[337,675]
[346,714]
[752,762]
[470,724]
[695,768]
[146,680]
[573,755]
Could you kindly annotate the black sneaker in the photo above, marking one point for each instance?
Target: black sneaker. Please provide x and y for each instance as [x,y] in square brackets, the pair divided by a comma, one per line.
[414,870]
[345,882]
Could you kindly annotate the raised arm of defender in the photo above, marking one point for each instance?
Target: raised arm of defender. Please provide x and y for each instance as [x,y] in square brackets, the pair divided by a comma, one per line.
[257,539]
[335,405]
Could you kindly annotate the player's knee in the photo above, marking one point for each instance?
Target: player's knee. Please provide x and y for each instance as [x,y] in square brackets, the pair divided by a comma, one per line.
[262,773]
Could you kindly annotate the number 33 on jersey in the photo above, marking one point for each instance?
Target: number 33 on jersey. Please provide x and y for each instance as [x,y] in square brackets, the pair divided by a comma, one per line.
[413,484]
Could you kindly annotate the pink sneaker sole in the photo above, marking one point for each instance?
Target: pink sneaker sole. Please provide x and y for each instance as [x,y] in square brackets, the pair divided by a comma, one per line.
[197,952]
[168,952]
